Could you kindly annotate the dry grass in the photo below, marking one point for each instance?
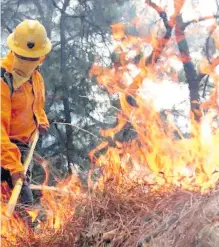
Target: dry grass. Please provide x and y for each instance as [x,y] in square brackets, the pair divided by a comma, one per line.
[135,218]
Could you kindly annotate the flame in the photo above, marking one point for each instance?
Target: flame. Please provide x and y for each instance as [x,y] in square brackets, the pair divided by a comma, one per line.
[155,156]
[10,228]
[58,204]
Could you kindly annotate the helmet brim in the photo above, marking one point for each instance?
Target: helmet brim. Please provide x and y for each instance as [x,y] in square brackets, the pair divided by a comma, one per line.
[29,53]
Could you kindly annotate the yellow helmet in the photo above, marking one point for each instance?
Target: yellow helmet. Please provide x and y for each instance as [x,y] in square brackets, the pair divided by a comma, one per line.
[29,39]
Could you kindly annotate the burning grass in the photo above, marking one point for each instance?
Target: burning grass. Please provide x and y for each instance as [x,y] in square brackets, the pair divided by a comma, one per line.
[136,217]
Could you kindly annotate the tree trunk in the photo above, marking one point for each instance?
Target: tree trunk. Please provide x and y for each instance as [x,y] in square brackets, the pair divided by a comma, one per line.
[64,79]
[190,72]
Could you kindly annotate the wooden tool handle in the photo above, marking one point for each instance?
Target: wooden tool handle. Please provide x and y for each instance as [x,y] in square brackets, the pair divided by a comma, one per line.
[18,186]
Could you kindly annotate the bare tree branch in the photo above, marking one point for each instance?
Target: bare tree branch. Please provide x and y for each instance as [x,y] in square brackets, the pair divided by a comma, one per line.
[199,20]
[63,10]
[169,25]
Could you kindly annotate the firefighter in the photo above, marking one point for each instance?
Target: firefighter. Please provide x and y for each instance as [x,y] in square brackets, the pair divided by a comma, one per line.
[22,100]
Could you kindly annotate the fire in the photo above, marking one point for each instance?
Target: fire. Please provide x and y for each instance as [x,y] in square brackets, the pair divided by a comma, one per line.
[10,228]
[155,156]
[151,155]
[58,206]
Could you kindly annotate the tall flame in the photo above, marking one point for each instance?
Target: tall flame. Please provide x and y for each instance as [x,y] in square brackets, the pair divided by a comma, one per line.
[155,155]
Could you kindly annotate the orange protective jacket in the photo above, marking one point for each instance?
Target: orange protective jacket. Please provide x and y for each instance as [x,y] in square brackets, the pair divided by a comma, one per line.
[21,115]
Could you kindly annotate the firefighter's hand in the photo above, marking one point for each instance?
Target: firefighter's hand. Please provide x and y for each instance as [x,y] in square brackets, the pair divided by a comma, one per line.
[42,129]
[16,176]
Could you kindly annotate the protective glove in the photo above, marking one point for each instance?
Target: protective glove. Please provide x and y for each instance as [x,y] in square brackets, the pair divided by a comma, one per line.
[15,176]
[42,129]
